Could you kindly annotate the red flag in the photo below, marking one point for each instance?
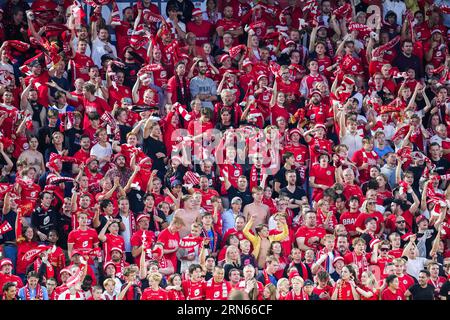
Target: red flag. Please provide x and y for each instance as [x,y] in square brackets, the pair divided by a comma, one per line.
[400,133]
[234,51]
[5,227]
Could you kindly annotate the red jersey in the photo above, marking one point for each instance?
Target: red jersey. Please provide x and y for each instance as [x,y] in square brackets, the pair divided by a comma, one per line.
[300,152]
[175,295]
[319,291]
[22,249]
[323,176]
[123,33]
[344,292]
[4,278]
[286,243]
[170,241]
[194,290]
[234,172]
[83,240]
[112,241]
[136,241]
[150,294]
[98,105]
[405,282]
[315,145]
[217,291]
[228,24]
[387,294]
[202,31]
[277,111]
[348,219]
[353,190]
[7,127]
[206,198]
[116,95]
[360,221]
[82,155]
[230,232]
[89,212]
[307,233]
[373,297]
[359,158]
[40,83]
[81,64]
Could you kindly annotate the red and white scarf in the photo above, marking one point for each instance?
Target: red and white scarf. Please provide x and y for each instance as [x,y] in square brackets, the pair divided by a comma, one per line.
[39,293]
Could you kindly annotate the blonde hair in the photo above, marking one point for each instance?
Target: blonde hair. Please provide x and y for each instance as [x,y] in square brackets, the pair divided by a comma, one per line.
[155,276]
[229,248]
[282,282]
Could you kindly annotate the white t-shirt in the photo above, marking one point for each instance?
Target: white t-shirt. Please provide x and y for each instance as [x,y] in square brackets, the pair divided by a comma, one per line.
[101,152]
[413,267]
[126,234]
[99,49]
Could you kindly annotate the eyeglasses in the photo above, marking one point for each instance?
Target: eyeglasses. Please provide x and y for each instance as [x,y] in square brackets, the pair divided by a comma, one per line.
[384,249]
[403,221]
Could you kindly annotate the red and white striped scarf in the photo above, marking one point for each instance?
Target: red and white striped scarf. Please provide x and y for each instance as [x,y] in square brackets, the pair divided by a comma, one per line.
[39,293]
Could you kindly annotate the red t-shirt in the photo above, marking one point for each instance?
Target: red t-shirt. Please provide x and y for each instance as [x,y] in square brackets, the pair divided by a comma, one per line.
[202,32]
[360,157]
[360,221]
[389,295]
[150,294]
[323,176]
[320,144]
[300,152]
[83,240]
[348,219]
[98,104]
[307,233]
[81,64]
[112,241]
[345,292]
[194,290]
[116,95]
[217,291]
[170,241]
[136,241]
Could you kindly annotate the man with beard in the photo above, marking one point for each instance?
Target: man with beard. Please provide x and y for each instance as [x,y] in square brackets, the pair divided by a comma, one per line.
[124,30]
[29,100]
[80,61]
[142,239]
[92,170]
[45,217]
[121,170]
[342,245]
[202,87]
[100,44]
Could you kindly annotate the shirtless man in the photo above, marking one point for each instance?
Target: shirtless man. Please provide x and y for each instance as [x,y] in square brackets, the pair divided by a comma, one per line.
[259,211]
[189,215]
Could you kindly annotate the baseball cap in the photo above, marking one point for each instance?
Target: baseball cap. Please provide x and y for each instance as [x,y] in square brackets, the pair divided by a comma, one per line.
[175,183]
[116,249]
[5,262]
[108,264]
[420,218]
[236,200]
[65,270]
[336,259]
[74,252]
[436,30]
[196,12]
[142,216]
[308,283]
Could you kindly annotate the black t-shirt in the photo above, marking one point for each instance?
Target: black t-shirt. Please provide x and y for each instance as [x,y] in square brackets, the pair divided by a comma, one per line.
[445,290]
[441,166]
[44,220]
[124,130]
[73,138]
[246,196]
[151,148]
[419,293]
[298,194]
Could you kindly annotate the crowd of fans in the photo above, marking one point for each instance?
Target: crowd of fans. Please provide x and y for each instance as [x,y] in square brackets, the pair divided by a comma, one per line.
[255,150]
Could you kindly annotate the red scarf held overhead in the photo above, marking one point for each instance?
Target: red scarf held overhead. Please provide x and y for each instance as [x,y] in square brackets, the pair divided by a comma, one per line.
[39,293]
[255,177]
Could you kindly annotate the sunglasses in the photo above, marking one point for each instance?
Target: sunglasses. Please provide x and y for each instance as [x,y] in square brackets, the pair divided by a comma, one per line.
[384,249]
[403,221]
[371,203]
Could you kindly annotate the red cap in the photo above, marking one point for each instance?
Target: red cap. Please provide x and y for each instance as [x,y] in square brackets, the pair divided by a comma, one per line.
[224,57]
[420,218]
[246,62]
[5,262]
[74,252]
[261,76]
[436,30]
[196,12]
[109,263]
[289,42]
[142,216]
[336,259]
[293,273]
[295,130]
[313,92]
[65,270]
[319,125]
[90,159]
[116,249]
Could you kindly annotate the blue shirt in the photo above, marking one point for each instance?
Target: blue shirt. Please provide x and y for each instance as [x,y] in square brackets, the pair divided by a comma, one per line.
[33,293]
[384,151]
[228,220]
